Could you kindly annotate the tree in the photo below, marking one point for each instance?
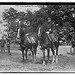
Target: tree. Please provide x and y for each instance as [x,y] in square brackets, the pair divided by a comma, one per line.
[62,17]
[11,17]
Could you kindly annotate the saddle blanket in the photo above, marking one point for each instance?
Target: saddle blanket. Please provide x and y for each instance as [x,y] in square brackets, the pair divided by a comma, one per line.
[31,39]
[53,37]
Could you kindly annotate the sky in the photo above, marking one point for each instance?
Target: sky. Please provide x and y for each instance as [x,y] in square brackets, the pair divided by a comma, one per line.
[18,8]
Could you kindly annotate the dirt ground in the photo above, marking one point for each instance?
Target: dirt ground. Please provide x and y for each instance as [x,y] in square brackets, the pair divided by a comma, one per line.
[14,63]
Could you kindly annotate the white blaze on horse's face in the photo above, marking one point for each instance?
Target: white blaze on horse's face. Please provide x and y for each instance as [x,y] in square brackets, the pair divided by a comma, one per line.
[47,32]
[39,33]
[18,33]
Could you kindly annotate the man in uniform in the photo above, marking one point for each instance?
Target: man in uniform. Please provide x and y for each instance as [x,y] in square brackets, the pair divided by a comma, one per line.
[8,45]
[3,42]
[48,24]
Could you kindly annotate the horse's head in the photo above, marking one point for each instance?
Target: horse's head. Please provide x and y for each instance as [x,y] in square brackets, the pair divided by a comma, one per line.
[18,36]
[21,29]
[41,34]
[19,33]
[40,31]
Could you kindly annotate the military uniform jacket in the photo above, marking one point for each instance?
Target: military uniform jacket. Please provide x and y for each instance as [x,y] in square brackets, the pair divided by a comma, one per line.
[3,42]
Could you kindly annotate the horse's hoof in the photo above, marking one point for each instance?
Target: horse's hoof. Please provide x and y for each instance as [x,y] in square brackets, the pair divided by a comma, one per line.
[56,61]
[29,54]
[48,61]
[44,63]
[34,61]
[9,53]
[19,49]
[53,61]
[22,60]
[26,59]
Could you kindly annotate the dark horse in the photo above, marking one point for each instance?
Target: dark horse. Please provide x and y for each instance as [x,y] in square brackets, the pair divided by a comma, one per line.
[27,41]
[47,41]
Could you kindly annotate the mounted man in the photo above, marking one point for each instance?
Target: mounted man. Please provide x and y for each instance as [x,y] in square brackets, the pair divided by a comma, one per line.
[28,39]
[48,39]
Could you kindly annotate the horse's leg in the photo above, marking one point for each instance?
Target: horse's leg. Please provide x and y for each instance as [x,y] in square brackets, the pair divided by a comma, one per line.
[53,55]
[34,56]
[43,56]
[32,53]
[34,50]
[57,55]
[26,53]
[23,54]
[71,49]
[48,51]
[35,53]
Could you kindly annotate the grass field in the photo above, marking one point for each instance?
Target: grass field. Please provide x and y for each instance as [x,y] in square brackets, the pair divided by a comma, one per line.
[14,62]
